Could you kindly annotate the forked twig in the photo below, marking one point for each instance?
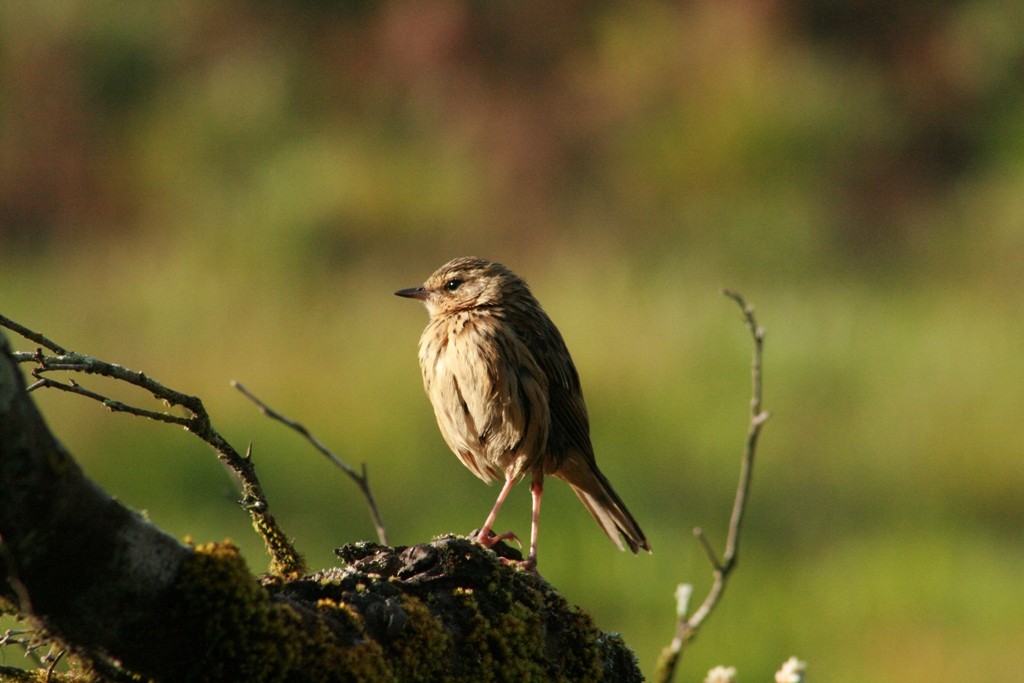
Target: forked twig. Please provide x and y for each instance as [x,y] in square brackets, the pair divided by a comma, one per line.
[361,479]
[687,626]
[284,559]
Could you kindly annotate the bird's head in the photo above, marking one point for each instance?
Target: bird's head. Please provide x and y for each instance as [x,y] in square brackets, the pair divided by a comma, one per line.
[465,283]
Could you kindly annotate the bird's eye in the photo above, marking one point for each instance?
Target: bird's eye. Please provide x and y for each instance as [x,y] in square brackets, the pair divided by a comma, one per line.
[453,284]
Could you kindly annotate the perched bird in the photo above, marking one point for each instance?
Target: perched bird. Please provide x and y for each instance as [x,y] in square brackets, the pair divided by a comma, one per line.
[507,396]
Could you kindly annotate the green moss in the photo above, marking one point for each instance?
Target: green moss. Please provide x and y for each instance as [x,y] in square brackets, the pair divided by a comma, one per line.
[424,651]
[444,612]
[493,623]
[285,561]
[244,634]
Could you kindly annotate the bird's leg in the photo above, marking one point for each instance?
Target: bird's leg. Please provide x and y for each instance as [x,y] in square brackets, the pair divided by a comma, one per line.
[484,538]
[536,491]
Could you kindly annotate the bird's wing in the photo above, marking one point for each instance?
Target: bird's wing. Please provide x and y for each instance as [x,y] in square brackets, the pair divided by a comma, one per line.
[570,426]
[520,399]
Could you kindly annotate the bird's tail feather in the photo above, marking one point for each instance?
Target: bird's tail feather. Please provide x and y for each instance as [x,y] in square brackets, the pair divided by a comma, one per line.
[600,499]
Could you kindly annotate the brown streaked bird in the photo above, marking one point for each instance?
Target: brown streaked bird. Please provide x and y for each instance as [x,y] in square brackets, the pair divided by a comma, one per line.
[507,396]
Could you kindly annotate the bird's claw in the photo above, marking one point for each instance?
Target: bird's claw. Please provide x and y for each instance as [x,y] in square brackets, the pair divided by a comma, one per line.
[529,565]
[491,539]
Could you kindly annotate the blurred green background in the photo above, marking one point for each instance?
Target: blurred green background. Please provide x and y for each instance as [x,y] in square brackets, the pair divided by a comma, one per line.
[210,191]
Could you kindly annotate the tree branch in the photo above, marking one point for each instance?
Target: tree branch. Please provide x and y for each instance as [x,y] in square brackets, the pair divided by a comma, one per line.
[284,558]
[362,480]
[688,626]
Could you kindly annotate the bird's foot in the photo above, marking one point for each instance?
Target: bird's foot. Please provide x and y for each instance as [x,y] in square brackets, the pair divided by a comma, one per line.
[490,539]
[529,564]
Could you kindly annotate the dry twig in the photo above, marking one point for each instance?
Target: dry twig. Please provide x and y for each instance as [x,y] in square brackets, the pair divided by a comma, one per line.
[52,660]
[361,479]
[687,626]
[285,560]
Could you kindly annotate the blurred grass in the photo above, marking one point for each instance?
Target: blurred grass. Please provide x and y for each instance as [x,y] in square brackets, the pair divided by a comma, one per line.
[233,193]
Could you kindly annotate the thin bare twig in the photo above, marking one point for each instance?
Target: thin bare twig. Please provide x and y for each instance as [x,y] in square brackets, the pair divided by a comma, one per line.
[31,335]
[361,479]
[688,626]
[284,559]
[28,640]
[54,660]
[74,387]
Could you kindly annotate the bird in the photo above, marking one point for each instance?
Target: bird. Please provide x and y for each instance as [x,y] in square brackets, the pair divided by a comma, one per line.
[507,396]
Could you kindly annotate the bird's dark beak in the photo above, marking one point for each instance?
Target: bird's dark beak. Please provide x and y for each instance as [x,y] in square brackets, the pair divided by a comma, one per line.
[413,293]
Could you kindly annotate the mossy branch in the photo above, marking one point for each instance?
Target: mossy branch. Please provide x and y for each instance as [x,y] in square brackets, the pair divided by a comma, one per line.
[284,558]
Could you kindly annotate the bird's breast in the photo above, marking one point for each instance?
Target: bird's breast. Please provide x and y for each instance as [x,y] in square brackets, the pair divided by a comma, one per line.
[490,413]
